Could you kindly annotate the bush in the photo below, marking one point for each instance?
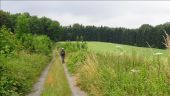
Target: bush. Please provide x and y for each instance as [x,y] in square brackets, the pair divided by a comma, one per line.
[36,43]
[74,46]
[42,44]
[8,42]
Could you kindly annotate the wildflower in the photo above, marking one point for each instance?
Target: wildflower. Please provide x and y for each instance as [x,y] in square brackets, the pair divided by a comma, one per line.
[134,71]
[121,53]
[118,46]
[158,53]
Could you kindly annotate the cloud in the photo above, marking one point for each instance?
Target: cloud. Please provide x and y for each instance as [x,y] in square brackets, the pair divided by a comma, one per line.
[129,14]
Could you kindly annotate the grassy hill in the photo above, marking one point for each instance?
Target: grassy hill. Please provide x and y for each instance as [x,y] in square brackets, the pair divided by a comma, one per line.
[104,47]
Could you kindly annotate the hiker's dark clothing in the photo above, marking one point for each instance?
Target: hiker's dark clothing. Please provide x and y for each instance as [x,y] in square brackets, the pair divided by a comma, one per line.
[62,54]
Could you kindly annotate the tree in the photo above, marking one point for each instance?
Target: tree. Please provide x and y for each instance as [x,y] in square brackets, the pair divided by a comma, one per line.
[22,25]
[145,34]
[54,30]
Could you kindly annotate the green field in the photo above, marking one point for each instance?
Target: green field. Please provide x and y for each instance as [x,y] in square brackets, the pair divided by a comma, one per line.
[104,47]
[108,69]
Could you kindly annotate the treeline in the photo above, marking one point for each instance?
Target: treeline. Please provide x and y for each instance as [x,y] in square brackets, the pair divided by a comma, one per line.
[144,36]
[22,31]
[24,23]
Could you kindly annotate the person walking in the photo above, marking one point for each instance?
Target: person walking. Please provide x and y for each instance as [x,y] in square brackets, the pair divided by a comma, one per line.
[62,54]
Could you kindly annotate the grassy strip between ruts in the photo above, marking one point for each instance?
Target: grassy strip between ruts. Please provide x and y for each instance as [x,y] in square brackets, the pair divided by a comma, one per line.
[56,82]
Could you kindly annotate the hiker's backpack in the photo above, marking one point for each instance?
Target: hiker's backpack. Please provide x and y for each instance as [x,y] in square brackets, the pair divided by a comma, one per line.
[62,53]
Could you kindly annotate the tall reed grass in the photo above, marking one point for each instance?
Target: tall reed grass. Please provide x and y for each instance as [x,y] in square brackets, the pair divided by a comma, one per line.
[122,74]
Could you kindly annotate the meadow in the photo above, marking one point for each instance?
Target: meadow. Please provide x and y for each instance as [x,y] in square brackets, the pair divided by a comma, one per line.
[104,47]
[107,69]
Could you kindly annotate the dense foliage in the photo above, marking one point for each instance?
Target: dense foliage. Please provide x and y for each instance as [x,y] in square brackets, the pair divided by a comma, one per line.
[8,41]
[24,23]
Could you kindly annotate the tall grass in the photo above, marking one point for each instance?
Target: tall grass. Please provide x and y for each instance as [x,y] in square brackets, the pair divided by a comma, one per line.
[110,75]
[121,74]
[19,72]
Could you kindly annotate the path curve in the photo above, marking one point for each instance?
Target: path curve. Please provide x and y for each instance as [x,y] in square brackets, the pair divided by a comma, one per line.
[38,87]
[76,91]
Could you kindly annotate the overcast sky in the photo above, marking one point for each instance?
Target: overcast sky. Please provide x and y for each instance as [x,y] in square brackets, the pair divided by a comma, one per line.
[131,14]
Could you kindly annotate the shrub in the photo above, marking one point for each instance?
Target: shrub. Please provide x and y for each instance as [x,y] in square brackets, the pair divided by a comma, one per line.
[36,43]
[74,46]
[8,42]
[42,44]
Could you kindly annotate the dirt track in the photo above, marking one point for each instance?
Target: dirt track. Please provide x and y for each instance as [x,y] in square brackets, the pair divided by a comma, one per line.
[76,91]
[38,87]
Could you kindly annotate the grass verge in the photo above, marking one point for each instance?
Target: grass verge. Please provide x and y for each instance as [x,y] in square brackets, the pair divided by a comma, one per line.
[19,72]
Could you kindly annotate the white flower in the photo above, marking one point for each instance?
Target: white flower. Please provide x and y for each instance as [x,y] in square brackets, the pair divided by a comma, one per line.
[118,46]
[134,70]
[158,53]
[121,53]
